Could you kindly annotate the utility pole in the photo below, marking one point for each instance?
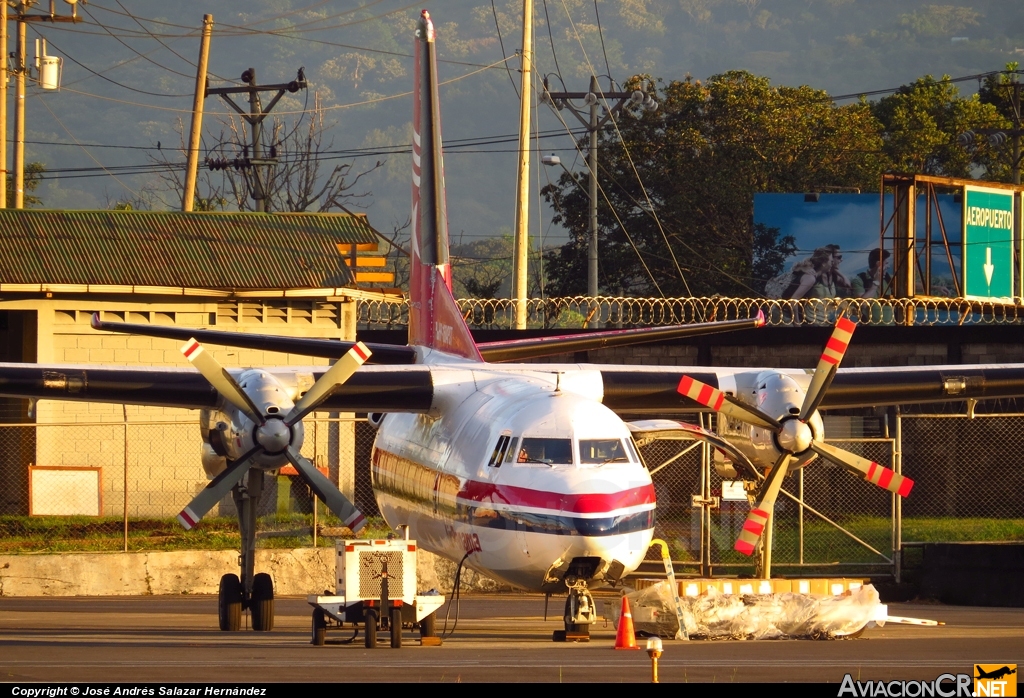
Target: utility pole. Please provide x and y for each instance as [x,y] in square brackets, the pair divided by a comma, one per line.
[192,166]
[20,71]
[3,103]
[594,122]
[254,117]
[522,238]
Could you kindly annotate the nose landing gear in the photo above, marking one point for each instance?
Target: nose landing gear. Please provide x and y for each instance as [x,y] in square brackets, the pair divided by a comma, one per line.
[580,612]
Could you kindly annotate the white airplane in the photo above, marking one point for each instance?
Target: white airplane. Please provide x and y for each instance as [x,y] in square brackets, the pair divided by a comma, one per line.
[524,472]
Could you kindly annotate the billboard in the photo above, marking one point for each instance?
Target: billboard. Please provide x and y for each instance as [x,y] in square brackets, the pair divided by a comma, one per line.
[835,235]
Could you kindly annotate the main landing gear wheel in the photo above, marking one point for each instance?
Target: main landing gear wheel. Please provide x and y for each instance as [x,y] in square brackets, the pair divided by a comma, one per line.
[396,628]
[229,603]
[370,627]
[319,627]
[262,603]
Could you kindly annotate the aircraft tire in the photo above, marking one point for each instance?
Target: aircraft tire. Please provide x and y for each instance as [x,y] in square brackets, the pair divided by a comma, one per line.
[229,603]
[370,627]
[262,603]
[319,627]
[428,626]
[396,628]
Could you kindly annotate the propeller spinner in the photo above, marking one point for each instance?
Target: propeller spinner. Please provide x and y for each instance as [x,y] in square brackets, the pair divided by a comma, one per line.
[793,436]
[273,435]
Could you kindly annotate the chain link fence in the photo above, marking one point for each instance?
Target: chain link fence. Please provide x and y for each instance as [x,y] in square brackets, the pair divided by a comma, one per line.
[105,486]
[603,311]
[66,487]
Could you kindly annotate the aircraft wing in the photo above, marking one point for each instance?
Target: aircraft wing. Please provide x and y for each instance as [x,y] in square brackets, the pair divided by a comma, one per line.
[370,389]
[304,346]
[522,349]
[653,389]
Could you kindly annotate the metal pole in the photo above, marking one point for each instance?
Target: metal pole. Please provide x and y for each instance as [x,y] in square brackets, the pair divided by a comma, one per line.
[897,518]
[766,553]
[256,111]
[4,75]
[196,132]
[703,506]
[522,240]
[316,461]
[801,519]
[592,164]
[124,411]
[19,120]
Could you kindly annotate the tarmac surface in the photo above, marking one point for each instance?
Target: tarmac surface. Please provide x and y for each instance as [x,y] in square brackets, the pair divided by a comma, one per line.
[499,638]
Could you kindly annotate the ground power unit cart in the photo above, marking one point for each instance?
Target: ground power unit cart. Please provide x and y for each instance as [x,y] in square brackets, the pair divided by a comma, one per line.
[376,589]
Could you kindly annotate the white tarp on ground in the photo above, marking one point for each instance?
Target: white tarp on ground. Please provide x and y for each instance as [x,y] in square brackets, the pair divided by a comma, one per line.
[754,616]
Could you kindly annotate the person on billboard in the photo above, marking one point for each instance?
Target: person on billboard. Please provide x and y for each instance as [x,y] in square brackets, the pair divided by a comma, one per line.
[806,275]
[868,284]
[833,283]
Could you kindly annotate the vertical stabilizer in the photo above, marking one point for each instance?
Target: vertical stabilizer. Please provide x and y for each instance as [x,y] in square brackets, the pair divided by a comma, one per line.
[434,317]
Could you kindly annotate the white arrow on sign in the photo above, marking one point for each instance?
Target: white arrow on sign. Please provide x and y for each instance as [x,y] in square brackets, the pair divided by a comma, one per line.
[989,267]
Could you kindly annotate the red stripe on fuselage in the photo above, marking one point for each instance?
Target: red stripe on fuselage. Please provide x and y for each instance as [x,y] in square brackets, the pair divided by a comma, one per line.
[588,503]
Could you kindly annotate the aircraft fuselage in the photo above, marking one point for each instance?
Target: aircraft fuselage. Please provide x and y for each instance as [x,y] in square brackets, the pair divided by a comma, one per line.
[529,474]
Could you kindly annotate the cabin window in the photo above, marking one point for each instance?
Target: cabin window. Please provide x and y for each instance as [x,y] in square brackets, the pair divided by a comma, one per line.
[602,451]
[549,451]
[499,451]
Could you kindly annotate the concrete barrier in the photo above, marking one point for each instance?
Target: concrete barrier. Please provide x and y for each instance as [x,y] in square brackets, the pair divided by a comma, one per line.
[295,572]
[974,574]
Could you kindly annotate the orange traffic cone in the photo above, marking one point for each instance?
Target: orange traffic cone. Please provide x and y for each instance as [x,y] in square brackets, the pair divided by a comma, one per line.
[625,638]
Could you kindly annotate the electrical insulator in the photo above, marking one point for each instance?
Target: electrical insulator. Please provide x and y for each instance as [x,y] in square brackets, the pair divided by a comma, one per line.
[965,138]
[997,138]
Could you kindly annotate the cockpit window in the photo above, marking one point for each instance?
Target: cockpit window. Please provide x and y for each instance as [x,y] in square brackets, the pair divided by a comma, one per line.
[510,455]
[550,451]
[602,451]
[499,450]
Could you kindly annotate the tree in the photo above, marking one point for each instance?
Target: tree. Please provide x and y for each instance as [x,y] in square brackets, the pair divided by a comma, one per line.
[921,123]
[33,176]
[299,182]
[700,157]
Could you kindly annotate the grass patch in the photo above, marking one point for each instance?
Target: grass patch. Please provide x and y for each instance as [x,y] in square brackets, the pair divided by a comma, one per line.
[51,534]
[824,544]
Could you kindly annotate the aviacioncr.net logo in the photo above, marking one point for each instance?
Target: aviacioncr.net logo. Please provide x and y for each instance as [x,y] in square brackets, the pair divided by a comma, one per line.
[943,686]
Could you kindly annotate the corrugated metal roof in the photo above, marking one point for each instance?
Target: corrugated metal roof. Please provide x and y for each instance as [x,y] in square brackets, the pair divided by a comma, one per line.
[229,251]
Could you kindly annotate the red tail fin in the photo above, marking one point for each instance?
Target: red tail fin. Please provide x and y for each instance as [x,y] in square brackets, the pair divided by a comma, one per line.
[434,317]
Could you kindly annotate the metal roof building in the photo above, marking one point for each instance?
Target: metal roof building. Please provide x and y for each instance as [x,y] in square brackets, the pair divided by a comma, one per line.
[217,251]
[284,274]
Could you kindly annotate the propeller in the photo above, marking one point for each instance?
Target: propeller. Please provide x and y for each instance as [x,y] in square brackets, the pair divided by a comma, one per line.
[761,512]
[273,435]
[794,437]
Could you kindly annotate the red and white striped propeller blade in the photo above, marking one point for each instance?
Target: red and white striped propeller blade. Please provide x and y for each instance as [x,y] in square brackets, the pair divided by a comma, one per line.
[868,469]
[764,508]
[830,359]
[720,402]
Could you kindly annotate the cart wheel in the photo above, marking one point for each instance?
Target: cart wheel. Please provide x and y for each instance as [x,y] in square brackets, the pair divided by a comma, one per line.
[428,626]
[319,627]
[262,604]
[396,628]
[370,627]
[229,603]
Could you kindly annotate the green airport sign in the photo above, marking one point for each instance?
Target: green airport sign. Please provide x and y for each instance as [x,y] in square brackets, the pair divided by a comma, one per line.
[988,238]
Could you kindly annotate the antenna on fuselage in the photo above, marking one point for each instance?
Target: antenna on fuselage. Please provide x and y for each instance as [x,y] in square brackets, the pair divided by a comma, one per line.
[558,383]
